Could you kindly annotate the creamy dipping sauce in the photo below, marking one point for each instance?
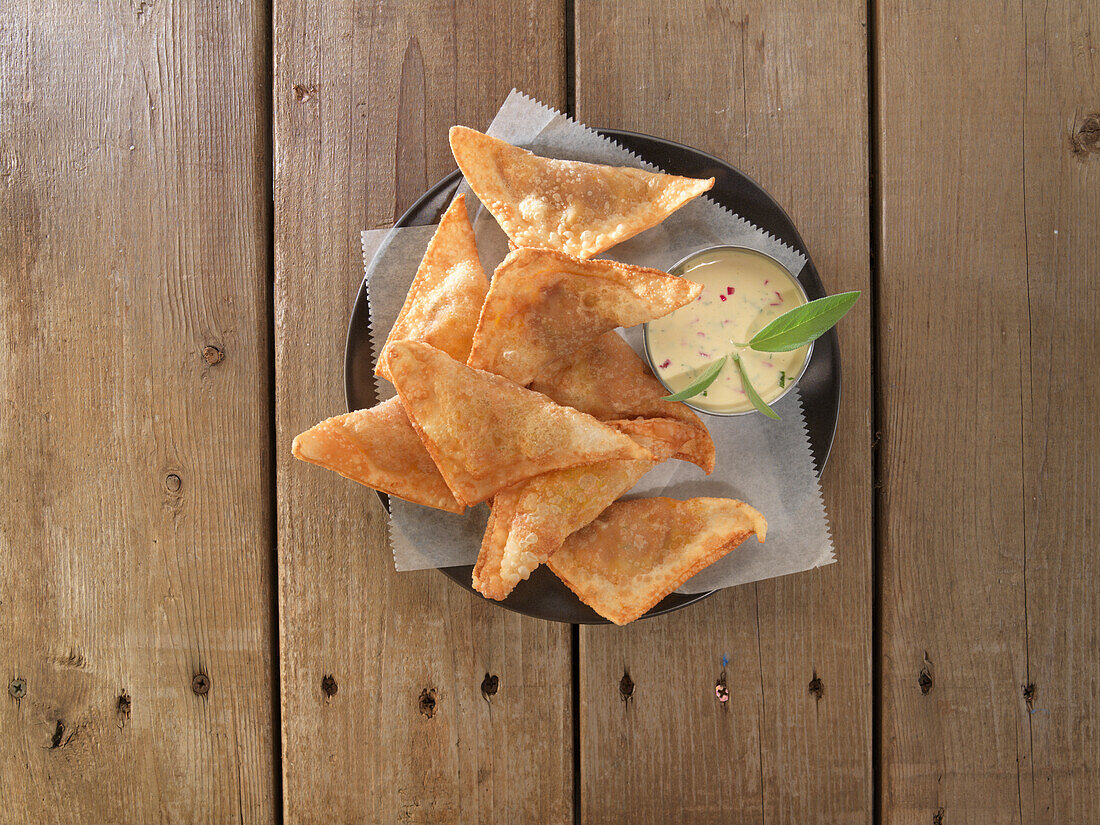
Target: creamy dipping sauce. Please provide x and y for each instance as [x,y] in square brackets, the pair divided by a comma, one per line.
[743,291]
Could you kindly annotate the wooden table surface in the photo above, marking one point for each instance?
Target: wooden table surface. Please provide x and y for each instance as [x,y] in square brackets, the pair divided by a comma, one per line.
[196,628]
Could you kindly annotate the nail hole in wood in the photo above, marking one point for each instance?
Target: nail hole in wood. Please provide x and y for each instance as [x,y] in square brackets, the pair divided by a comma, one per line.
[17,688]
[329,686]
[59,731]
[1029,694]
[816,688]
[722,691]
[212,355]
[173,482]
[626,687]
[201,684]
[489,686]
[426,702]
[924,679]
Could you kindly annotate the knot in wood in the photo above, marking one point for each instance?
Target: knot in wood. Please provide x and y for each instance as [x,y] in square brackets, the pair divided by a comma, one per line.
[200,684]
[212,355]
[173,482]
[1085,140]
[17,687]
[329,686]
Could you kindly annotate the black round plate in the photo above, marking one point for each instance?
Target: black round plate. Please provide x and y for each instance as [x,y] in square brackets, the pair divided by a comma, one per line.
[543,595]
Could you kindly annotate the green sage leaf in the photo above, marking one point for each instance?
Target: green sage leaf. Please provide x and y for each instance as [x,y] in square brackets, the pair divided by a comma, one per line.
[751,392]
[708,377]
[803,324]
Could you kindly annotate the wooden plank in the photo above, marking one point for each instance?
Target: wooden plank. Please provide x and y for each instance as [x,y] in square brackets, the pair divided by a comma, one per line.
[364,95]
[135,539]
[1062,451]
[990,249]
[781,93]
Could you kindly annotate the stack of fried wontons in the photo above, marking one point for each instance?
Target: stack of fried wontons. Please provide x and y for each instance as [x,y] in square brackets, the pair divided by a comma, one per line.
[520,392]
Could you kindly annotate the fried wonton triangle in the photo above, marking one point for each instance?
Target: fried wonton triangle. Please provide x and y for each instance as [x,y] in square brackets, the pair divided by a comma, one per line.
[485,433]
[379,448]
[639,551]
[577,208]
[544,305]
[445,298]
[530,520]
[608,381]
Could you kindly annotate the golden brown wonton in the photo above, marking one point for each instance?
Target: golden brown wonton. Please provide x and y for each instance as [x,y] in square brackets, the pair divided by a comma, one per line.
[577,208]
[379,448]
[607,380]
[530,520]
[639,551]
[544,305]
[485,433]
[445,298]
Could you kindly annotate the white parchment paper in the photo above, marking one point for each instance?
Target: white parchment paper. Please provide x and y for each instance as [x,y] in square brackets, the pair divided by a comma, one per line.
[765,463]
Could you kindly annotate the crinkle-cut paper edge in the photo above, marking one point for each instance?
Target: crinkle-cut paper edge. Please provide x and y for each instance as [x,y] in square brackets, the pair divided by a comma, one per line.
[368,269]
[649,167]
[817,482]
[390,541]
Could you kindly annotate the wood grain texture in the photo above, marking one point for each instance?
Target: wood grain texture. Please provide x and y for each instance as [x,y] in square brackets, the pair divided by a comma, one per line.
[135,543]
[991,249]
[780,93]
[364,95]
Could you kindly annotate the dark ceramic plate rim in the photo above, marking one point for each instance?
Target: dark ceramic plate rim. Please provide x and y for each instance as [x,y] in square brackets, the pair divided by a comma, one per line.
[543,595]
